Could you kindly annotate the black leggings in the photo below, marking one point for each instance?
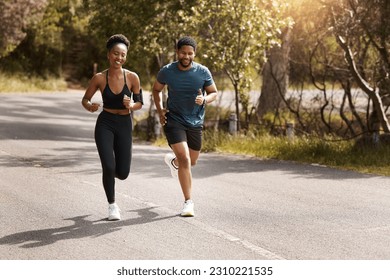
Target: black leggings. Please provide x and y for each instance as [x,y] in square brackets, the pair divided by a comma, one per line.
[113,137]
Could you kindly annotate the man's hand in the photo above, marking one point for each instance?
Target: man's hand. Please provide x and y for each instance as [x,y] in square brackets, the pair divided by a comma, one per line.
[200,99]
[163,117]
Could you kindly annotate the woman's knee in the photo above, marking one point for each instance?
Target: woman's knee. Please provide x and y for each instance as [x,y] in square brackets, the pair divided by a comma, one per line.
[122,174]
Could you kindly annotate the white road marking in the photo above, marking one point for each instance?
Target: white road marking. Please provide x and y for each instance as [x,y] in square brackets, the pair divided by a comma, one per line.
[261,252]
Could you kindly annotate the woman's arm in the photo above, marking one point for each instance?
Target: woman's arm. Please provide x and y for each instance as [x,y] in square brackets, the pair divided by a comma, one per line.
[89,93]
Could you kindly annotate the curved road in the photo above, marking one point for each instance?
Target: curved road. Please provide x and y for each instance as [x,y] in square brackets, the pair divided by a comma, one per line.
[52,204]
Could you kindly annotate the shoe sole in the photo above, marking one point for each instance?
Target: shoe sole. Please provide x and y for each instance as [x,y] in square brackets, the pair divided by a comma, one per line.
[114,217]
[189,214]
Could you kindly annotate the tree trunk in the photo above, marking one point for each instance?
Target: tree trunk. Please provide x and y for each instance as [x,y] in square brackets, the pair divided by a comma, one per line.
[237,105]
[275,77]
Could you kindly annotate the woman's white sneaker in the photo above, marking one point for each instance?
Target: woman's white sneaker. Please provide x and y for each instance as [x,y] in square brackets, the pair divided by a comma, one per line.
[113,212]
[188,209]
[169,160]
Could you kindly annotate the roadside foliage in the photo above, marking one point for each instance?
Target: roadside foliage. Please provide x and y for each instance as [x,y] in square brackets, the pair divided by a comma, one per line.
[322,66]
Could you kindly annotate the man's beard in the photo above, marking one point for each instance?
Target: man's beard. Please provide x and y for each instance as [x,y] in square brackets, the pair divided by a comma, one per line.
[189,62]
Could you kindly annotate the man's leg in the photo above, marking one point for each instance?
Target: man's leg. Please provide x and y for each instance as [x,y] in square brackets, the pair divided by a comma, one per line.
[194,155]
[186,144]
[187,153]
[183,161]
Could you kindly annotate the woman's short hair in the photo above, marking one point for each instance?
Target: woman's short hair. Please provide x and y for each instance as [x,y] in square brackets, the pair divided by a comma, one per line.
[117,39]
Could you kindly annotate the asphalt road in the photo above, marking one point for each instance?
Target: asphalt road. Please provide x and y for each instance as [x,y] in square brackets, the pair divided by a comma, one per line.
[52,203]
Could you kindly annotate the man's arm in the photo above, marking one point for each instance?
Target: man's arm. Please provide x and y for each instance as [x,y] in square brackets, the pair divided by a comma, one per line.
[212,93]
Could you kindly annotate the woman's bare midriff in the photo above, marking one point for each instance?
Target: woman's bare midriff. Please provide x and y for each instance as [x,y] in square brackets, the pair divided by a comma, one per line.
[117,111]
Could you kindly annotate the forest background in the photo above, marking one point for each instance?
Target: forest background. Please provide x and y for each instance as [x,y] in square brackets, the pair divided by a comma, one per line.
[321,67]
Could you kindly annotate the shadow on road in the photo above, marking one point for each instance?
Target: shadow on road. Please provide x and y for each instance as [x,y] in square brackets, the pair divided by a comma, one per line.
[80,229]
[45,117]
[215,164]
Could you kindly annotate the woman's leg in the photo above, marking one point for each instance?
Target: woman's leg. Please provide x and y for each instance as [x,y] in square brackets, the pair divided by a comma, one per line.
[123,147]
[104,138]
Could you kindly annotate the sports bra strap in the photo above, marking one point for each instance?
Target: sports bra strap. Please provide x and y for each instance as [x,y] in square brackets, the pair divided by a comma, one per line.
[107,76]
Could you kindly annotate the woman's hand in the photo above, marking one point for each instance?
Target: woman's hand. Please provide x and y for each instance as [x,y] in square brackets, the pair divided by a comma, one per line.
[126,101]
[94,107]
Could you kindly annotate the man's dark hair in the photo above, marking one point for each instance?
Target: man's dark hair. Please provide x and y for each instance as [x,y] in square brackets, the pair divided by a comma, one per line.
[117,39]
[186,41]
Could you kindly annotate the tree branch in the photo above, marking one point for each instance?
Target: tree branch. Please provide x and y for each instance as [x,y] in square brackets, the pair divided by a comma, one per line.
[364,85]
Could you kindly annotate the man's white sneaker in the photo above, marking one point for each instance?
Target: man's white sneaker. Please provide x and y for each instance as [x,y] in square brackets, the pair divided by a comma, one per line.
[188,209]
[113,212]
[169,160]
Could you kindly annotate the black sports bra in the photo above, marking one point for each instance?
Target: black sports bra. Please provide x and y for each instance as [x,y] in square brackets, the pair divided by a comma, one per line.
[112,100]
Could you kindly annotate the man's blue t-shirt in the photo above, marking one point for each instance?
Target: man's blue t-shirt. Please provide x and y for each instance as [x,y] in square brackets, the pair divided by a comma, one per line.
[183,88]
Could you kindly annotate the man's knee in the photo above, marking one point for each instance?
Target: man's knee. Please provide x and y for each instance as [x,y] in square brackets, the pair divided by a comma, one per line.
[184,160]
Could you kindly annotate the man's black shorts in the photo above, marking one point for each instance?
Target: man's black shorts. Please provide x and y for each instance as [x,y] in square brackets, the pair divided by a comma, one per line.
[177,132]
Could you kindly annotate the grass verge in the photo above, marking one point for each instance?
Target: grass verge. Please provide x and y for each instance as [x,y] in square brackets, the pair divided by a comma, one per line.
[24,83]
[345,155]
[330,152]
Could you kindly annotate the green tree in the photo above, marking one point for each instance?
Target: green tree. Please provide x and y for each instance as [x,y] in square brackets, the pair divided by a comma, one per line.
[237,32]
[16,17]
[172,20]
[152,26]
[344,44]
[275,77]
[312,59]
[363,33]
[48,43]
[317,58]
